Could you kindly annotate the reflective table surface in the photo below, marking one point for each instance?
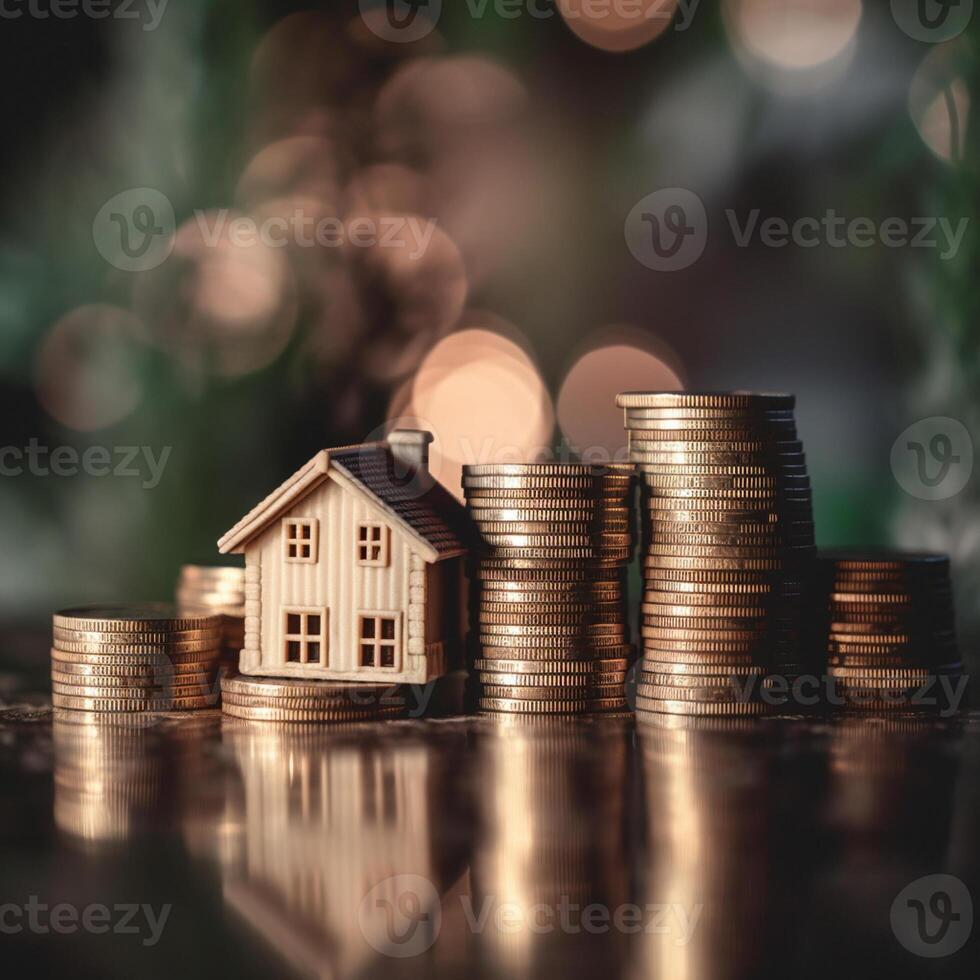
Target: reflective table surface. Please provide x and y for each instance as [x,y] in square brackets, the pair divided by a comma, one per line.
[145,846]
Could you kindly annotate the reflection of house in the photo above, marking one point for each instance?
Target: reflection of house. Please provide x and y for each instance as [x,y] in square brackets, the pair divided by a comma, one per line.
[323,820]
[354,568]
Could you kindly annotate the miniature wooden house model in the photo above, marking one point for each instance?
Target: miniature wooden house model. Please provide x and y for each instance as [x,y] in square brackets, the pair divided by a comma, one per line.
[354,568]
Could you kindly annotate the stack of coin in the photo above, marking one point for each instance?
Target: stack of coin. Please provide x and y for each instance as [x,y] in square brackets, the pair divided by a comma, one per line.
[727,548]
[291,700]
[135,658]
[891,629]
[217,589]
[549,596]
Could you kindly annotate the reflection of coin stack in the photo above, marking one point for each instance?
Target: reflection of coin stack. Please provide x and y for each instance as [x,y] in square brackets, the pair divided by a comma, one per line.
[728,544]
[137,658]
[217,589]
[551,803]
[288,699]
[550,602]
[116,776]
[891,631]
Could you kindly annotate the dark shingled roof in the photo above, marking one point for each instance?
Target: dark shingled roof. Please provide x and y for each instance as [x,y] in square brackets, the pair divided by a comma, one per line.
[419,500]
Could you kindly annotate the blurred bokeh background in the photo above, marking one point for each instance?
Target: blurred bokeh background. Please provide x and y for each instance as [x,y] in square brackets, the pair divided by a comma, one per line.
[475,162]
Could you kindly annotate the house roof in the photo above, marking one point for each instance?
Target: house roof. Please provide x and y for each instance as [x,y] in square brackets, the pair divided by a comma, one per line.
[419,503]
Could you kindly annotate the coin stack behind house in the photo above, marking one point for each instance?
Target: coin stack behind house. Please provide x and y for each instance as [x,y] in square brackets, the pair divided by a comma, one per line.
[217,589]
[549,597]
[727,549]
[891,630]
[291,700]
[135,658]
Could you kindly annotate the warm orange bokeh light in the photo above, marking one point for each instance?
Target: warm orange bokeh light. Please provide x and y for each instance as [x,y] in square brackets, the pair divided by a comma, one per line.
[87,367]
[613,26]
[587,413]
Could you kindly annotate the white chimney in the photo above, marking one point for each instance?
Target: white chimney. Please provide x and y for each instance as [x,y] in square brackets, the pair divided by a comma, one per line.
[410,447]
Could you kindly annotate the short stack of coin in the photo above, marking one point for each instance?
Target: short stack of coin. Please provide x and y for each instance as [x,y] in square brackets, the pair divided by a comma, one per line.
[549,600]
[217,589]
[891,628]
[291,700]
[145,657]
[727,548]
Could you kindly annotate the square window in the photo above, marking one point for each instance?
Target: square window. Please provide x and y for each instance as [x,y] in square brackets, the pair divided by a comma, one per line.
[305,636]
[380,640]
[300,536]
[372,545]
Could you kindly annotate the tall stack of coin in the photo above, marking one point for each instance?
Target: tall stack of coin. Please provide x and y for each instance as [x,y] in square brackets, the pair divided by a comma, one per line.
[135,658]
[217,589]
[291,700]
[891,628]
[549,596]
[727,548]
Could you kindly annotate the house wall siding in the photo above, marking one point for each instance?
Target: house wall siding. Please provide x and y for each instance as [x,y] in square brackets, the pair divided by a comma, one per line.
[338,584]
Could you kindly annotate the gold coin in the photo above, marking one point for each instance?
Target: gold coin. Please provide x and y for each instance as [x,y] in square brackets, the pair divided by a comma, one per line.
[728,693]
[78,703]
[556,619]
[552,693]
[700,412]
[676,562]
[537,681]
[736,624]
[139,691]
[711,592]
[706,654]
[265,713]
[887,562]
[590,470]
[785,507]
[540,499]
[559,517]
[546,606]
[145,638]
[310,704]
[148,617]
[150,658]
[551,484]
[879,598]
[591,630]
[556,539]
[360,691]
[661,539]
[748,601]
[665,482]
[755,446]
[187,649]
[703,684]
[594,648]
[597,553]
[720,576]
[717,461]
[663,611]
[663,668]
[696,633]
[566,706]
[499,601]
[546,667]
[191,669]
[703,707]
[677,519]
[771,401]
[579,534]
[162,677]
[553,575]
[720,424]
